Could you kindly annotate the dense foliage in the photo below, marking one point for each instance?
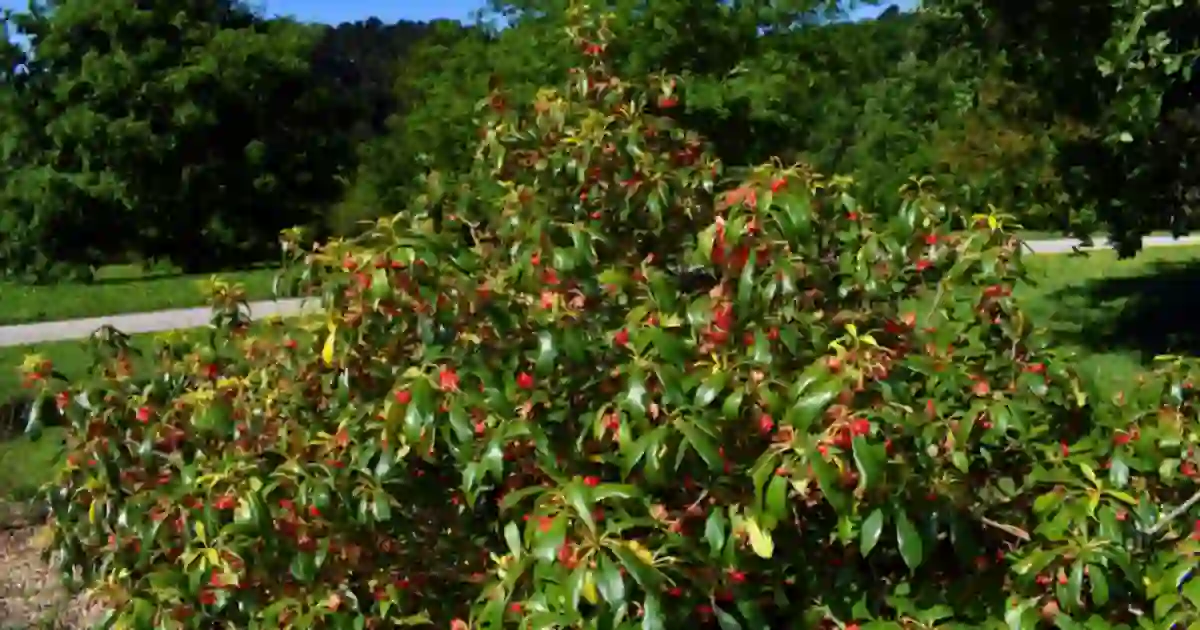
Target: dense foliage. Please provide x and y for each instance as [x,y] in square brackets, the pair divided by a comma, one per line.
[130,123]
[590,380]
[179,130]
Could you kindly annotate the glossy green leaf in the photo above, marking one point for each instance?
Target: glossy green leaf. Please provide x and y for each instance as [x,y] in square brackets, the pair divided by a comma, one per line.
[872,527]
[912,548]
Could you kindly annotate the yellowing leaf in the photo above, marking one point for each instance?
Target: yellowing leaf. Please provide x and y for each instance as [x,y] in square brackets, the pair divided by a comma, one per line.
[589,589]
[641,552]
[760,541]
[327,351]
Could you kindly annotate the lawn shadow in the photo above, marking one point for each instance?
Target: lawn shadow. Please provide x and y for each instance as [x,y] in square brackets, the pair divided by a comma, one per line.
[118,275]
[116,281]
[1150,314]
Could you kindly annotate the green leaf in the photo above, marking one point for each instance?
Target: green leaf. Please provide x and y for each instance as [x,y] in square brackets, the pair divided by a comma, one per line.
[911,546]
[611,585]
[868,458]
[547,543]
[34,422]
[577,497]
[726,620]
[714,533]
[811,405]
[710,388]
[733,404]
[1191,590]
[304,567]
[777,491]
[1075,583]
[512,536]
[701,442]
[872,527]
[670,347]
[606,491]
[381,286]
[547,354]
[634,400]
[745,290]
[645,575]
[381,507]
[652,614]
[760,539]
[1099,584]
[829,480]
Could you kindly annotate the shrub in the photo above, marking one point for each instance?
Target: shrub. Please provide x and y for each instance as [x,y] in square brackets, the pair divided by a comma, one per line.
[587,384]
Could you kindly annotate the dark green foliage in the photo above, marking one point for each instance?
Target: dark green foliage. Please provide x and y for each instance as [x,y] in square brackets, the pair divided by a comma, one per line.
[179,130]
[1126,70]
[138,123]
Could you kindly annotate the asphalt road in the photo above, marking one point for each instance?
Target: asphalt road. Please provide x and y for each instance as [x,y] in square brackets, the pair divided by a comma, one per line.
[158,321]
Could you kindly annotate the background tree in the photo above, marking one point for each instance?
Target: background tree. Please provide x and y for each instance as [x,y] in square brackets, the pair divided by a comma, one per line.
[1123,68]
[154,124]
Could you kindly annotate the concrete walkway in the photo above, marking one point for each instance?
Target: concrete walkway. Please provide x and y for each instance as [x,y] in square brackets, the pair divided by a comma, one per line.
[1064,245]
[158,321]
[131,323]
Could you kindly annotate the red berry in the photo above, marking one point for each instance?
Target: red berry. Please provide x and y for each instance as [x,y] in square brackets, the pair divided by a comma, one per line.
[448,380]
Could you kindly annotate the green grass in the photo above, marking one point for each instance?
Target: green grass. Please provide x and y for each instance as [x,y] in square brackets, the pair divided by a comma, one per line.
[120,289]
[26,465]
[1117,314]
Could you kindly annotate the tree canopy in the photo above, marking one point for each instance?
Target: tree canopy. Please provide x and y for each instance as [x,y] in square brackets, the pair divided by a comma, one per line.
[133,123]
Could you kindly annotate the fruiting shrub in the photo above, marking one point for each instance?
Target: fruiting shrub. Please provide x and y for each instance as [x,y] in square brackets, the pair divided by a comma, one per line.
[586,383]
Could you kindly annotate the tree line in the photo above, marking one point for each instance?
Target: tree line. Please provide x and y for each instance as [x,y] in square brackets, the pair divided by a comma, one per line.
[193,131]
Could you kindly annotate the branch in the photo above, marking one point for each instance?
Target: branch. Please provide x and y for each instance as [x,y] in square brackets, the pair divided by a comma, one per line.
[1172,515]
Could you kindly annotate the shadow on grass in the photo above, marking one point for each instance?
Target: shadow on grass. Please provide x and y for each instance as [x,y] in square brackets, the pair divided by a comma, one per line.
[1149,314]
[116,281]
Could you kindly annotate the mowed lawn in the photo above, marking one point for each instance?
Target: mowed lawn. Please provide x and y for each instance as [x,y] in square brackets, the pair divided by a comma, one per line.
[121,289]
[1117,315]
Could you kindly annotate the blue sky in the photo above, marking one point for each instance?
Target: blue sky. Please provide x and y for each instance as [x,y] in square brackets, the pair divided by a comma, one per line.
[391,10]
[334,11]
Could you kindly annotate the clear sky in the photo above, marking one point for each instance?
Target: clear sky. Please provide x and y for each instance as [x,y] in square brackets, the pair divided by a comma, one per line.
[391,10]
[334,11]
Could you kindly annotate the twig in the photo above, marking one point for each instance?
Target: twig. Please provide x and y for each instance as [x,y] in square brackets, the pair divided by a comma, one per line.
[1173,514]
[1015,531]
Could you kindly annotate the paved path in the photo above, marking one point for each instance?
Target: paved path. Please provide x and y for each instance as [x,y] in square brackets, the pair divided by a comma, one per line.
[158,321]
[154,321]
[1064,245]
